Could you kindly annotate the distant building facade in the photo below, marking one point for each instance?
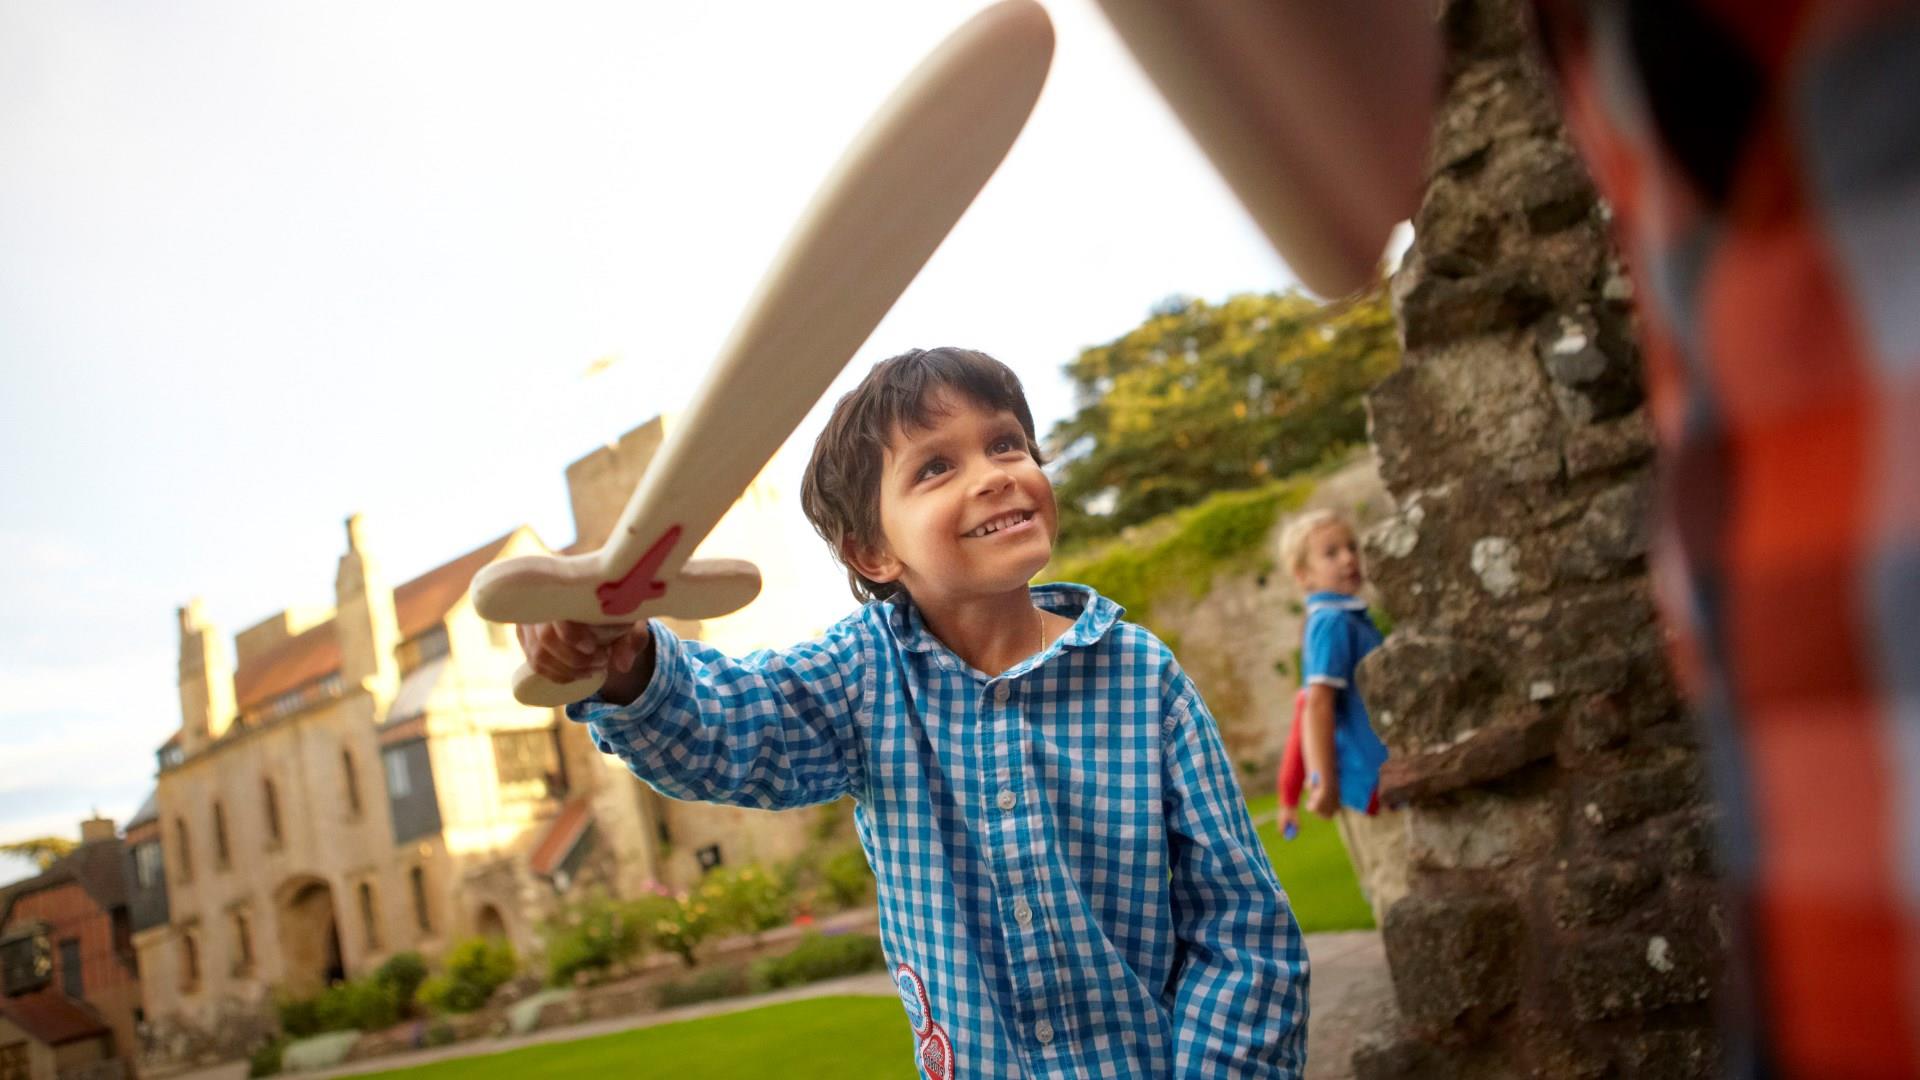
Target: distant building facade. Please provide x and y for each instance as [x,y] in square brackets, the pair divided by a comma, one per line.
[70,1002]
[353,783]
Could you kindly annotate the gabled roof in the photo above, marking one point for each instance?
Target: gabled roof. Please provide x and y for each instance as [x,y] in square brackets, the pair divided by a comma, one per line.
[568,826]
[97,867]
[419,605]
[51,1018]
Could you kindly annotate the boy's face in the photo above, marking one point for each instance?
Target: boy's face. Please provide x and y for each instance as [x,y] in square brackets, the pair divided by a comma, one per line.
[1332,561]
[965,511]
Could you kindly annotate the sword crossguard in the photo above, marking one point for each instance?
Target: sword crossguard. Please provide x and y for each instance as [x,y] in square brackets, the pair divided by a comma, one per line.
[638,585]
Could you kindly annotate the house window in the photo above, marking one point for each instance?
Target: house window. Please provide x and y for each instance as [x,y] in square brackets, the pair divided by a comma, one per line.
[189,961]
[70,978]
[242,943]
[147,865]
[25,965]
[399,781]
[222,853]
[353,782]
[273,813]
[185,853]
[416,651]
[418,878]
[528,762]
[368,917]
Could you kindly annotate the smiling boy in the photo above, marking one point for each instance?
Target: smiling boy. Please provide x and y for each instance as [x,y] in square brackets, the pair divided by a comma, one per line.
[1069,883]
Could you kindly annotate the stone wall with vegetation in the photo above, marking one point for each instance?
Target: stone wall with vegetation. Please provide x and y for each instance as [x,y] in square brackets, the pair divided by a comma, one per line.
[1206,580]
[1564,919]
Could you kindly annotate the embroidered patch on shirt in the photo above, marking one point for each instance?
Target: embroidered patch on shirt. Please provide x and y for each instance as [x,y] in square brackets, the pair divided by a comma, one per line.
[936,1054]
[913,995]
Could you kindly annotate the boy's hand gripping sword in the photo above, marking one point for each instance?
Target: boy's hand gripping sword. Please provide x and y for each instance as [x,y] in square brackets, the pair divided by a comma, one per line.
[880,214]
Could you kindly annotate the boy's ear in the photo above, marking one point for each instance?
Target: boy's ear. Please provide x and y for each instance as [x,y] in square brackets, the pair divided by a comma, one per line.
[878,566]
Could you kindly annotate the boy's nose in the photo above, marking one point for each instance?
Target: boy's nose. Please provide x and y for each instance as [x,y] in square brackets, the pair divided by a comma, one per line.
[992,480]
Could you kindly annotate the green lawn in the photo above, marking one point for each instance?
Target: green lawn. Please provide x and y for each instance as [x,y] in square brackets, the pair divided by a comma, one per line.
[817,1039]
[1314,870]
[859,1037]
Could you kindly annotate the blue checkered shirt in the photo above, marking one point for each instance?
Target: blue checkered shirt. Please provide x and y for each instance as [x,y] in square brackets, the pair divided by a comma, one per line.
[1069,883]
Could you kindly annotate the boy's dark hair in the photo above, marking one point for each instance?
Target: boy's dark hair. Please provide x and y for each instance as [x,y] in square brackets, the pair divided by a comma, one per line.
[841,490]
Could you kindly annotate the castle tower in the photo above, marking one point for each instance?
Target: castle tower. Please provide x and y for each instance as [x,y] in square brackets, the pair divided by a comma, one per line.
[206,679]
[365,621]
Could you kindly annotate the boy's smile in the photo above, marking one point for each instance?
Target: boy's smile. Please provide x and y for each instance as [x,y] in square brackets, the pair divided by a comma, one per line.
[965,511]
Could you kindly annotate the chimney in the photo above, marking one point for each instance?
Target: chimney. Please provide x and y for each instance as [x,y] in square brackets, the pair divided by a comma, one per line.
[365,621]
[601,482]
[96,829]
[206,680]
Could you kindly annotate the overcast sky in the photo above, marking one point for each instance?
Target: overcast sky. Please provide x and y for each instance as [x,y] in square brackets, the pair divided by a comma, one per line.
[263,265]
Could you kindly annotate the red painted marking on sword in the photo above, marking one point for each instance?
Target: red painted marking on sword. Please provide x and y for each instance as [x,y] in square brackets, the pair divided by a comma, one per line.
[638,585]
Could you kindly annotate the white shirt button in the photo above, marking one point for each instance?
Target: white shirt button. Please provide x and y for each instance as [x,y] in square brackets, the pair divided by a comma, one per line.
[1022,913]
[1006,800]
[1043,1031]
[1001,692]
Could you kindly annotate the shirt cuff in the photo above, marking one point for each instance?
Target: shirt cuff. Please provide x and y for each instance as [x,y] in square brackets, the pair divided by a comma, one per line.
[1326,680]
[669,657]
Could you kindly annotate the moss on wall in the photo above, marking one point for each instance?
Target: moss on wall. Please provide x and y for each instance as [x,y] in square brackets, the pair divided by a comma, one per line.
[1185,549]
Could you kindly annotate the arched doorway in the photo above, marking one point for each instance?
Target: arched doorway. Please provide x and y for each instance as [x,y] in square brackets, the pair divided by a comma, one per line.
[309,936]
[489,924]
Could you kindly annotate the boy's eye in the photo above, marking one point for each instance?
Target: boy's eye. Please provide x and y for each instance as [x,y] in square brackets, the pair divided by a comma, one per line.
[1007,444]
[931,469]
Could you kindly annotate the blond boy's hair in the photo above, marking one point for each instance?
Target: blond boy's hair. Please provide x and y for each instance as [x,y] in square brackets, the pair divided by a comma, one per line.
[1293,539]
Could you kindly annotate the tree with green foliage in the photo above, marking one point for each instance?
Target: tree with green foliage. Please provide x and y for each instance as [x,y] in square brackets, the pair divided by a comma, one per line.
[42,851]
[1204,397]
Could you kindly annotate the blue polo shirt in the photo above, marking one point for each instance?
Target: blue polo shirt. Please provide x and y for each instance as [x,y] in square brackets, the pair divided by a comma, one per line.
[1339,634]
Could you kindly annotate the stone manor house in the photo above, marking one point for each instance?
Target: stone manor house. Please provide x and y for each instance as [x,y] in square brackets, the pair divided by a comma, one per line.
[355,782]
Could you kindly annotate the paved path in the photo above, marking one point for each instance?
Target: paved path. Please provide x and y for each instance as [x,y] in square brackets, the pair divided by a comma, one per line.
[1351,995]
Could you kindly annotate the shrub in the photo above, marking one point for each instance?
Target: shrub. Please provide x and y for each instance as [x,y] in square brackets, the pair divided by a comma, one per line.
[439,1033]
[475,969]
[361,1005]
[266,1060]
[749,899]
[706,986]
[681,927]
[299,1017]
[591,936]
[818,957]
[848,878]
[403,974]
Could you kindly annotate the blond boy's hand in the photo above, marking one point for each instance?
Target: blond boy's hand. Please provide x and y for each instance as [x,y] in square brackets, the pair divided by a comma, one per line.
[563,652]
[1289,821]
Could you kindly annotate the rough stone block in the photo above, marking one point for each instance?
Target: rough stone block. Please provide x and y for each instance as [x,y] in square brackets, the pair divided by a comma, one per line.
[1437,310]
[1690,1054]
[1427,692]
[1633,795]
[1610,444]
[1686,844]
[1455,960]
[1405,1059]
[1489,753]
[1481,831]
[1615,975]
[1594,893]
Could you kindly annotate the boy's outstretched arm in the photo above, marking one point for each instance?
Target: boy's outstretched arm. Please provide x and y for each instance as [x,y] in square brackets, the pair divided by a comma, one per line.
[773,730]
[1239,992]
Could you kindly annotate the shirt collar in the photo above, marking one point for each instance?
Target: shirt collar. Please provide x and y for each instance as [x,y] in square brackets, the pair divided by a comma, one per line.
[1093,615]
[1338,601]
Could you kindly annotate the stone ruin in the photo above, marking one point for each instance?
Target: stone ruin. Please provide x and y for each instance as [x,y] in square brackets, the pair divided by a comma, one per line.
[1564,918]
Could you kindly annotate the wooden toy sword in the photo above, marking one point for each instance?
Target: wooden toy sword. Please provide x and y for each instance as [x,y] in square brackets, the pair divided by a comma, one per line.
[880,214]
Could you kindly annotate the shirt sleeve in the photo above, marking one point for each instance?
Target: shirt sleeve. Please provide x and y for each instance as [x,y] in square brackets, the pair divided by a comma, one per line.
[1327,656]
[773,730]
[1239,992]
